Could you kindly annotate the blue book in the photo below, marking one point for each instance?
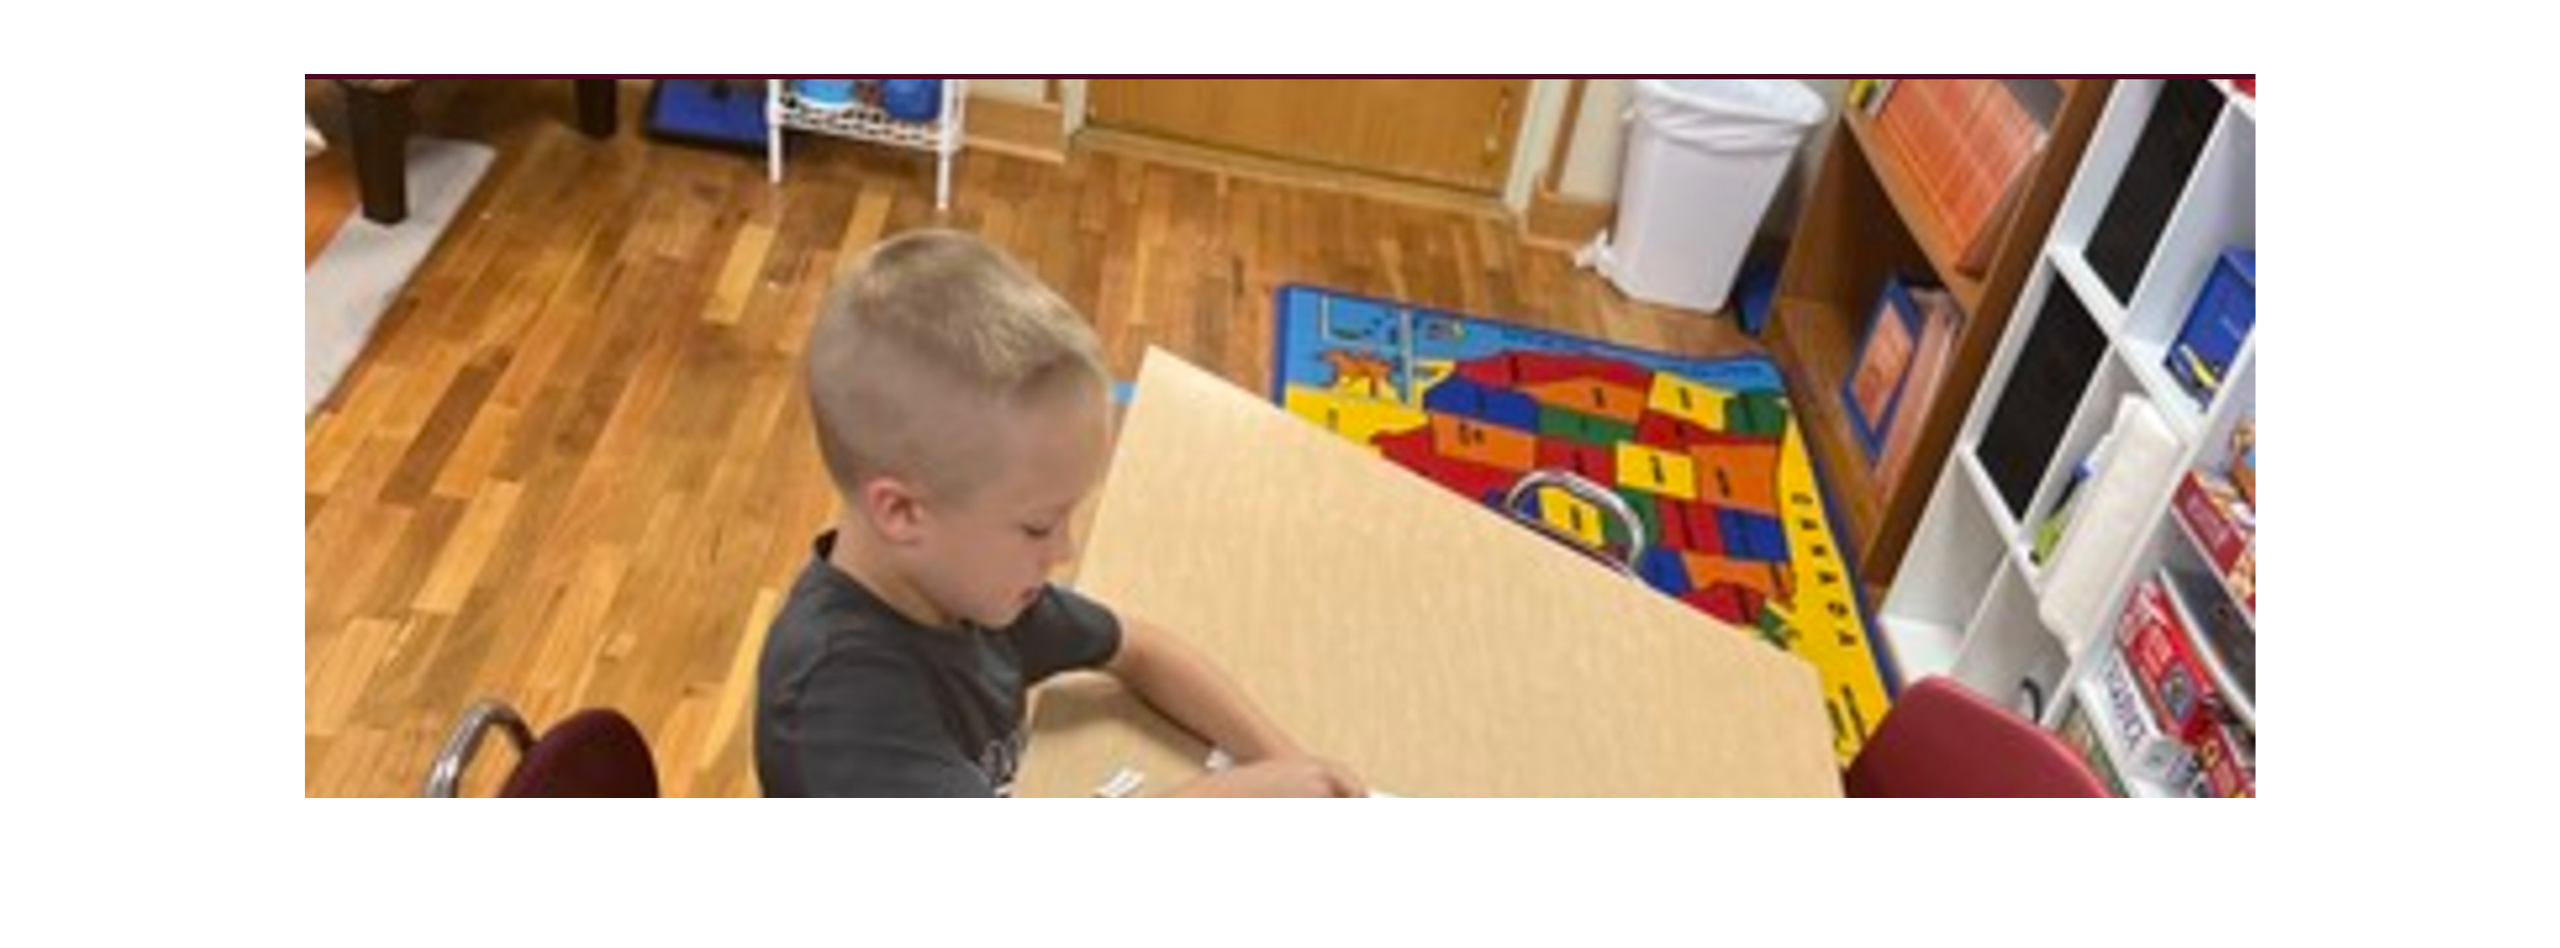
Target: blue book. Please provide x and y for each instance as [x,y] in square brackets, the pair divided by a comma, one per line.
[1872,393]
[2215,329]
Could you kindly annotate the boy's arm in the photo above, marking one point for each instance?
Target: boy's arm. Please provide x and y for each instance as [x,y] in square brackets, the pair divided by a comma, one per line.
[1182,683]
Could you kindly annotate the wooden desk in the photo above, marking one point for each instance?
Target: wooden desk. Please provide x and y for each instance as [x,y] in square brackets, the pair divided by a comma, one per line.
[1395,626]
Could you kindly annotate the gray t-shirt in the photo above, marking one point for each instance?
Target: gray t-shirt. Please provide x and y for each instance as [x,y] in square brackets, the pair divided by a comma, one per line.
[853,699]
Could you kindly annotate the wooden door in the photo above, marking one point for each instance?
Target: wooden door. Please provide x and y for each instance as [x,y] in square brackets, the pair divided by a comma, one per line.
[1455,132]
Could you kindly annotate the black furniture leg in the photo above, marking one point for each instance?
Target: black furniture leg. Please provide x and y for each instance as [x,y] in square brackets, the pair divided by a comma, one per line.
[378,121]
[596,102]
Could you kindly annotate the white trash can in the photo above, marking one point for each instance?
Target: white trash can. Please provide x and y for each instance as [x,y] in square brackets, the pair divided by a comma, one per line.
[1703,160]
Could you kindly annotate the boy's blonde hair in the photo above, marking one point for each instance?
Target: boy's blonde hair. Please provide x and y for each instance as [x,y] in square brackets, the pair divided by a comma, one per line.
[920,343]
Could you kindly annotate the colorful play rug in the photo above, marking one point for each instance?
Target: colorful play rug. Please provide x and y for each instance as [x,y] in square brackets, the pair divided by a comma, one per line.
[1689,473]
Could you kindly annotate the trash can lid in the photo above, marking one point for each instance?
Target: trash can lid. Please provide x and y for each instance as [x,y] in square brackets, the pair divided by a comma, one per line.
[1755,100]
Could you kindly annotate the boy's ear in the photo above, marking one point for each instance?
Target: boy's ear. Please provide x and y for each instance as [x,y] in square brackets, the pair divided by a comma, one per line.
[894,508]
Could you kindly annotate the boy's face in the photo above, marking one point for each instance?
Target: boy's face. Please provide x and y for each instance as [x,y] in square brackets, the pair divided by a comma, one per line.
[987,556]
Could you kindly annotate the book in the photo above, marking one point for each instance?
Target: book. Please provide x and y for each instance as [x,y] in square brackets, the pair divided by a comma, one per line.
[2219,633]
[1966,143]
[2227,759]
[2041,99]
[2223,526]
[2217,325]
[1941,322]
[1878,373]
[2181,693]
[2243,577]
[1975,260]
[2214,514]
[2244,458]
[2149,754]
[2082,737]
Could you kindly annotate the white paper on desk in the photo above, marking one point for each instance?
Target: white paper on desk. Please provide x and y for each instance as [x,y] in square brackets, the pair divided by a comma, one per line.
[1219,761]
[2107,531]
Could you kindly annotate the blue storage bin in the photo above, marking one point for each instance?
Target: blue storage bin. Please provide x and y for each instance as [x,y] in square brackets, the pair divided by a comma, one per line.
[912,100]
[827,95]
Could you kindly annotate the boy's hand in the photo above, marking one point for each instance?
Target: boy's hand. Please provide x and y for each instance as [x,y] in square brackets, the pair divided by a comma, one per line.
[1291,776]
[1180,682]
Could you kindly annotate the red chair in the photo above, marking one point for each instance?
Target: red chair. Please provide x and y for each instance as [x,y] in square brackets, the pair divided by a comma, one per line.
[1942,740]
[593,753]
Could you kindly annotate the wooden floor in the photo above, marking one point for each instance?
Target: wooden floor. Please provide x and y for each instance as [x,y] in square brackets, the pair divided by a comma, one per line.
[329,196]
[328,199]
[574,468]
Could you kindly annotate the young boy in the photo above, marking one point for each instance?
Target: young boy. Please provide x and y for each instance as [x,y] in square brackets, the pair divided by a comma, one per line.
[963,411]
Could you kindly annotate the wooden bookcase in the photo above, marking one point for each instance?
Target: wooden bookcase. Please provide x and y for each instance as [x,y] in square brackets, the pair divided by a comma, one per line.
[1865,218]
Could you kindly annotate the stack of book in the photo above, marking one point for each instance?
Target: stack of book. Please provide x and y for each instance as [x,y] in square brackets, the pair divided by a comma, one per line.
[2224,527]
[1901,362]
[1969,144]
[2196,691]
[2180,687]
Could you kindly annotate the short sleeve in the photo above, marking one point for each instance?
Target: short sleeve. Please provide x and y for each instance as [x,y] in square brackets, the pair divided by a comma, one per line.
[1064,631]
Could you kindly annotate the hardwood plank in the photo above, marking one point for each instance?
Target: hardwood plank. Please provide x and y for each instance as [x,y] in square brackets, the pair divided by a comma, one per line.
[442,432]
[460,563]
[738,275]
[335,680]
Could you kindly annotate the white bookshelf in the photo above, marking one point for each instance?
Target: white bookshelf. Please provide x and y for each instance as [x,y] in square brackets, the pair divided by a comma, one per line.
[1965,603]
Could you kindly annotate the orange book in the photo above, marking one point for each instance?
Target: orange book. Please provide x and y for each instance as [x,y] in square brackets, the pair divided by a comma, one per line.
[1966,144]
[1928,369]
[1976,258]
